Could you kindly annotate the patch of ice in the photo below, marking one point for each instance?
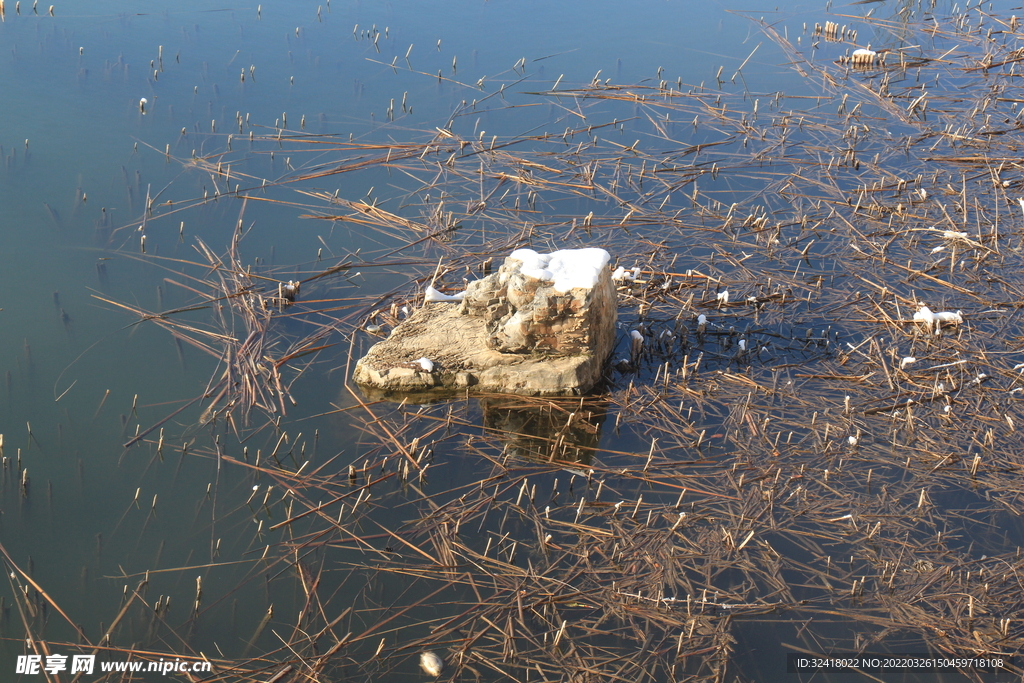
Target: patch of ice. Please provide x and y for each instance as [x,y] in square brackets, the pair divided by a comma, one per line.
[924,315]
[936,320]
[431,663]
[907,360]
[567,268]
[431,295]
[723,297]
[621,274]
[636,337]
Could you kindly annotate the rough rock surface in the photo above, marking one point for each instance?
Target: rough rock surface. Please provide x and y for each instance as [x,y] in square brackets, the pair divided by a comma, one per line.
[515,332]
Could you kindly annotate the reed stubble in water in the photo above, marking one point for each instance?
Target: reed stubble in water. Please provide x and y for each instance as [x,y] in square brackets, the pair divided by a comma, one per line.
[771,457]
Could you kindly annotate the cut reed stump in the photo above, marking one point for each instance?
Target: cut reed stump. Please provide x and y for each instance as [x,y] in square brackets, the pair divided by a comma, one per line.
[543,325]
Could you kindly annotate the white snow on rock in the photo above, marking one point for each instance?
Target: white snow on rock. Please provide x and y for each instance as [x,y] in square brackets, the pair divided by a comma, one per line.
[567,268]
[431,295]
[426,364]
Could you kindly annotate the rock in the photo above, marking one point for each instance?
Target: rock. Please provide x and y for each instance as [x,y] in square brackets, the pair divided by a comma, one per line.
[543,325]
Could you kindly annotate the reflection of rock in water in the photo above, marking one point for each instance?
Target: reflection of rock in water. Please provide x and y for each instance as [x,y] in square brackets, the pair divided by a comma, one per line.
[546,430]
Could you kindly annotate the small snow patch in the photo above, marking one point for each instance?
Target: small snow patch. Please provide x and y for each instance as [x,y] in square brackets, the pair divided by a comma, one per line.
[431,295]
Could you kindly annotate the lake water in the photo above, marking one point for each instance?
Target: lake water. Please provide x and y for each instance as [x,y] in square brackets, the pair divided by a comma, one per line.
[193,107]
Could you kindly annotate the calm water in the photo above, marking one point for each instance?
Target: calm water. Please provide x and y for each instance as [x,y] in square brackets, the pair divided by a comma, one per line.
[79,158]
